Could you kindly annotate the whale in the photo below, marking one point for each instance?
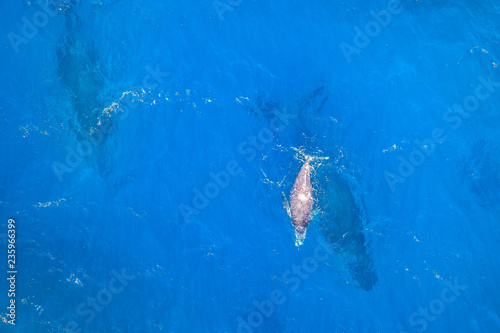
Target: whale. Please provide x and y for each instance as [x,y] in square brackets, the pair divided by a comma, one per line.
[340,217]
[342,221]
[301,202]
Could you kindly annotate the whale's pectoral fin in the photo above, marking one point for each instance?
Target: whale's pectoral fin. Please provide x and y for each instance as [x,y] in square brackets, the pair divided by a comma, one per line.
[285,204]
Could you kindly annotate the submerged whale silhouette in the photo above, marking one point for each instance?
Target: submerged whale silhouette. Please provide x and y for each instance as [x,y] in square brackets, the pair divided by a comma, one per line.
[340,220]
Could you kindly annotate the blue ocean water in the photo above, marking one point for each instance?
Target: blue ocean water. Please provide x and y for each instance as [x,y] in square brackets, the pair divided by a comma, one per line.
[146,146]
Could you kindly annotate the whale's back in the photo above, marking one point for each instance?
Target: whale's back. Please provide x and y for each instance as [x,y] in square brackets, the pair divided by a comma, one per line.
[301,199]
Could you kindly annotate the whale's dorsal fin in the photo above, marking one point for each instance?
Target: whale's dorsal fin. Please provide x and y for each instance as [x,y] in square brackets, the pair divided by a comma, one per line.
[285,204]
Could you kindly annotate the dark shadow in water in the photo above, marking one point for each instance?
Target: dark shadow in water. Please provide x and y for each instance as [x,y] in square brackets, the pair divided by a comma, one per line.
[79,71]
[341,221]
[298,112]
[481,172]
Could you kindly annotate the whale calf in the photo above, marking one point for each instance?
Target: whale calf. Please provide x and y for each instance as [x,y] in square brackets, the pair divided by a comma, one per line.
[301,202]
